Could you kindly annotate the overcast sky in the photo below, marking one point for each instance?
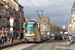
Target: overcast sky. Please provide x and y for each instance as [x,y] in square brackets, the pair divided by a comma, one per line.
[59,11]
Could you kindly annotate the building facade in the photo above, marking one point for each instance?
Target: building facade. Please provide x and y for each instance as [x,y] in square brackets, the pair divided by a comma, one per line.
[8,10]
[46,19]
[71,23]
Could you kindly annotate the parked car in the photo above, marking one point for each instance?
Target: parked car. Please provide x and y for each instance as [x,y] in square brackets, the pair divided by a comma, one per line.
[52,34]
[69,36]
[72,39]
[59,36]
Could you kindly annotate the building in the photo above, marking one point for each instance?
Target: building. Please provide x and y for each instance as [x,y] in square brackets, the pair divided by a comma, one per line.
[69,26]
[8,10]
[46,19]
[71,23]
[21,17]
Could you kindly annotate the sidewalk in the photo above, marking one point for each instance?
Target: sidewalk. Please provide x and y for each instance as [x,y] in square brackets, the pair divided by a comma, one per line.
[8,44]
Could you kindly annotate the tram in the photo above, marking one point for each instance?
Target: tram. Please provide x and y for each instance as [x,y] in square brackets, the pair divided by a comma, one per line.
[36,31]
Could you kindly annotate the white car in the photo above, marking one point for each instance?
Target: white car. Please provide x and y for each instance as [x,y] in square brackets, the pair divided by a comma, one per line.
[52,34]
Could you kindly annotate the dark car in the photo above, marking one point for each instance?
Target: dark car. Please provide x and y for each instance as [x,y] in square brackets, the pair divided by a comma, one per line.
[59,36]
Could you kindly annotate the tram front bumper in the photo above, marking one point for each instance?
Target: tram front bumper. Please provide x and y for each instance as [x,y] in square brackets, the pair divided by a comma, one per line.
[31,39]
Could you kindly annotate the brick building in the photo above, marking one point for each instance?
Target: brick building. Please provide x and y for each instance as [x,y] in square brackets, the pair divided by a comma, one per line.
[46,19]
[8,10]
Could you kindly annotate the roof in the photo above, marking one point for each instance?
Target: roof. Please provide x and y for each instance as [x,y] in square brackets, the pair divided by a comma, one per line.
[19,4]
[73,5]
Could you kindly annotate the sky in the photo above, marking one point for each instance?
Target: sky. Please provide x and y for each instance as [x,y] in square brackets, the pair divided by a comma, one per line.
[59,11]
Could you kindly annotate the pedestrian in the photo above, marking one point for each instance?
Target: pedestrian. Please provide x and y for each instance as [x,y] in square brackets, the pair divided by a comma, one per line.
[17,35]
[6,35]
[3,35]
[14,35]
[11,36]
[0,38]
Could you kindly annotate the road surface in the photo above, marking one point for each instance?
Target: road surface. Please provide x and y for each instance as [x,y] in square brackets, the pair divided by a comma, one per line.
[50,44]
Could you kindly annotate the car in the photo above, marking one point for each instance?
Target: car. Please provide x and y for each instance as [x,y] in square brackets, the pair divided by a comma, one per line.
[52,34]
[69,36]
[59,36]
[65,36]
[72,39]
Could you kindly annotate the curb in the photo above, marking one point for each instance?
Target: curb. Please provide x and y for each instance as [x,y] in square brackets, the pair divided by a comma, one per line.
[9,45]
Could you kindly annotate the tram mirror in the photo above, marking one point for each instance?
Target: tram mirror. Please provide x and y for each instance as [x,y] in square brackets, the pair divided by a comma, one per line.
[38,25]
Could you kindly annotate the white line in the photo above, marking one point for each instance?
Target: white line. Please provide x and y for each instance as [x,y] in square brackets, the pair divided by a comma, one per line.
[40,46]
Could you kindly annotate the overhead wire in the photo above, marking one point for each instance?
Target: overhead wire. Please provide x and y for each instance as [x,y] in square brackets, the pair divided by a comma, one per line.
[33,4]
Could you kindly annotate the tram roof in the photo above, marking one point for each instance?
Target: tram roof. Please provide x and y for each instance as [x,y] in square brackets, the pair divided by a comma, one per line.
[38,21]
[31,21]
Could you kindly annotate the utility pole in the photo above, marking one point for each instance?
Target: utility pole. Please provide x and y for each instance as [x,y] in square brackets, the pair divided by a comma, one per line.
[40,15]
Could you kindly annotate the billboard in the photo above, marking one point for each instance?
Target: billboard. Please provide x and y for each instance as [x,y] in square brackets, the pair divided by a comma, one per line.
[70,28]
[11,19]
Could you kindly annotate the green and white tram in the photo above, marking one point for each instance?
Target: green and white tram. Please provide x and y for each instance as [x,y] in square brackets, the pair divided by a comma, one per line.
[36,31]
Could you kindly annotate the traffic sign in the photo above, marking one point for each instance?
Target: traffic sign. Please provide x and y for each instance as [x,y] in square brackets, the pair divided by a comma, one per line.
[11,24]
[11,19]
[70,28]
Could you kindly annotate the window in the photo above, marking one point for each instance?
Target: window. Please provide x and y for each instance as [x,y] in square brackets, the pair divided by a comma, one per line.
[4,21]
[4,12]
[1,11]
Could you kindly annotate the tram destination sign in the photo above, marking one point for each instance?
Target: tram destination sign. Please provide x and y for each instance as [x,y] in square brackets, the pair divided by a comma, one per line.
[30,22]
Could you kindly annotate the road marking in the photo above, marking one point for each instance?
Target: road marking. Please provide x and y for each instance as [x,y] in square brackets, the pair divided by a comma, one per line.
[64,47]
[40,46]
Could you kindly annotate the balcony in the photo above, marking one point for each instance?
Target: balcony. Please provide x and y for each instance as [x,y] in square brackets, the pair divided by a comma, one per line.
[10,9]
[21,11]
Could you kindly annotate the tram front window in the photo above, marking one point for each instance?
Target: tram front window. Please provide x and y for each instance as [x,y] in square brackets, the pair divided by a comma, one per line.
[30,28]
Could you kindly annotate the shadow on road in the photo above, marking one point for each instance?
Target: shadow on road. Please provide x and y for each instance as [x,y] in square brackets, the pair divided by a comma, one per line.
[51,40]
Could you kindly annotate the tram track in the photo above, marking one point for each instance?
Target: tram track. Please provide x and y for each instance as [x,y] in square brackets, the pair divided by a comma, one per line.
[19,46]
[24,46]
